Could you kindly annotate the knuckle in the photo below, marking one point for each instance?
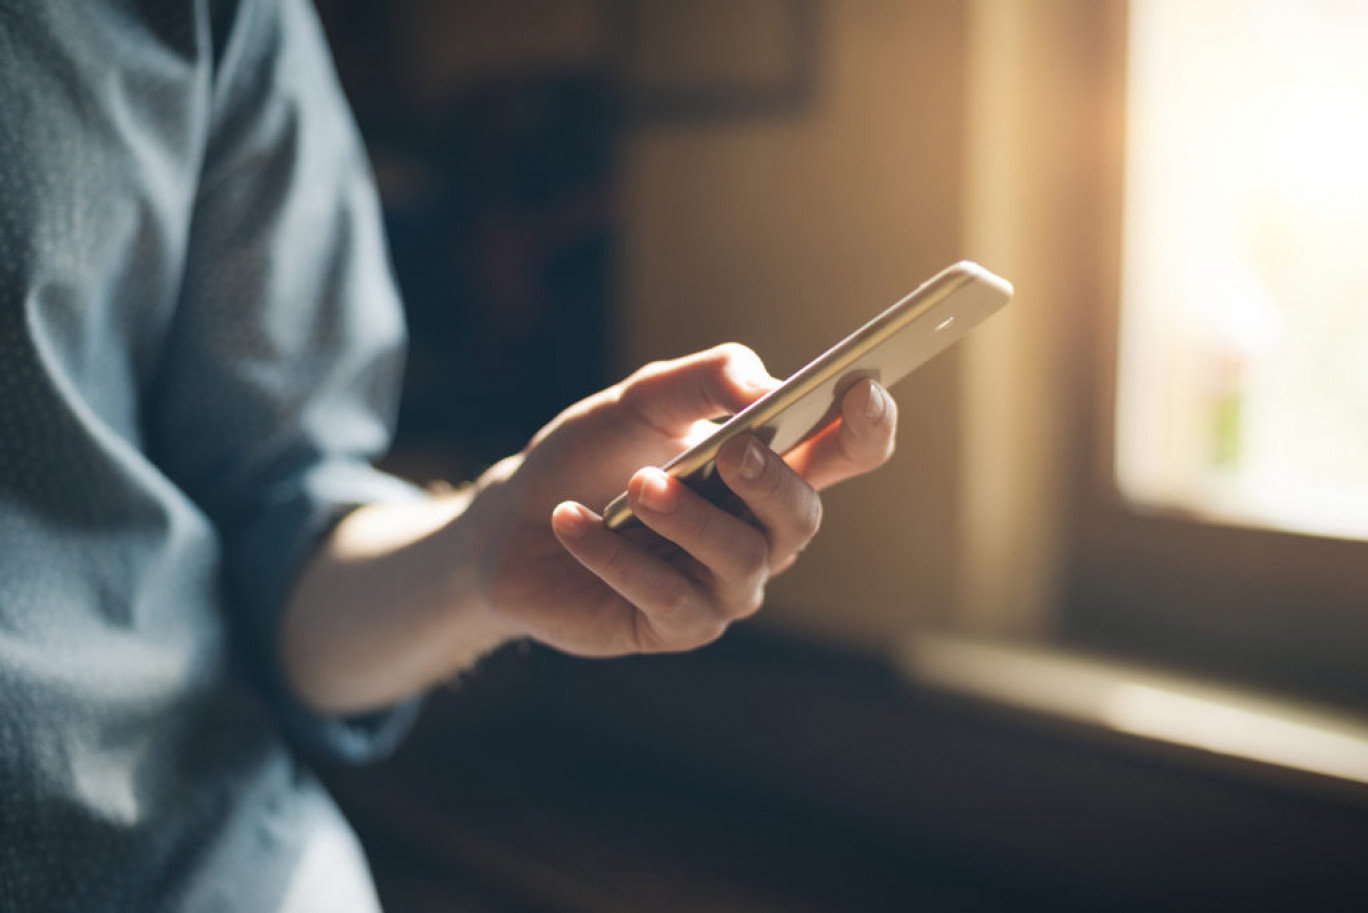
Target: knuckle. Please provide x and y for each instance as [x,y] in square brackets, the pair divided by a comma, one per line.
[743,595]
[652,369]
[642,377]
[753,604]
[748,601]
[752,554]
[645,638]
[741,366]
[706,633]
[736,352]
[637,390]
[673,604]
[713,632]
[614,561]
[810,518]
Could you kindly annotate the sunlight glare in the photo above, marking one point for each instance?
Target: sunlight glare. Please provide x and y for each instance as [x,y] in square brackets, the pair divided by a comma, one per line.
[1243,376]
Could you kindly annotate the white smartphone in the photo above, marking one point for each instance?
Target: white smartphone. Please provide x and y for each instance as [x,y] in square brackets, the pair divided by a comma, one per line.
[887,349]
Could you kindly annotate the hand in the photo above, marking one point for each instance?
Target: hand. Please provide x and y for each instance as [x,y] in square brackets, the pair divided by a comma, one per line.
[551,571]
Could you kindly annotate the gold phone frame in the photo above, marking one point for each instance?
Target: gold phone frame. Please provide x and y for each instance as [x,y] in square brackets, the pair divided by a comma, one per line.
[887,348]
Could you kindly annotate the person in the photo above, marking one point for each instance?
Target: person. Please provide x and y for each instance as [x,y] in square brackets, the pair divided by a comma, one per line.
[199,567]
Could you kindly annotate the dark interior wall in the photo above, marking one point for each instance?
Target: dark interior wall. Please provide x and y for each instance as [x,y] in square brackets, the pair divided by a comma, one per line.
[498,171]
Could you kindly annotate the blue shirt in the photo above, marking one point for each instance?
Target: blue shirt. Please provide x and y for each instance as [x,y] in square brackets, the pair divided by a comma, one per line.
[200,345]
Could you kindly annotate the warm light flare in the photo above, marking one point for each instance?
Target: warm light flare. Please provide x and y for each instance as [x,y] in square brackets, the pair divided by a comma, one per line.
[1243,391]
[1219,727]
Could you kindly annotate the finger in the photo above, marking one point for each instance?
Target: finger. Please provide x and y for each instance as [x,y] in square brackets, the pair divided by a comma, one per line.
[672,613]
[734,553]
[863,438]
[671,396]
[786,506]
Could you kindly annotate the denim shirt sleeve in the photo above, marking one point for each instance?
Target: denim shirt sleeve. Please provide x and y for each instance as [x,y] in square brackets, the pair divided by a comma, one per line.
[282,365]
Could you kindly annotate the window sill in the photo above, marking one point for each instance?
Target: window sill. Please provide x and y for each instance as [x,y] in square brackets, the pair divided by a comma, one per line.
[1237,729]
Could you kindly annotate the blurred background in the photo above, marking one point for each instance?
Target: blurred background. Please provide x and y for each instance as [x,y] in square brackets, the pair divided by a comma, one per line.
[1097,634]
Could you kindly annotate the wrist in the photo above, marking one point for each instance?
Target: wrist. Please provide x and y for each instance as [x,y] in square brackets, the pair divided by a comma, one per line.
[484,530]
[389,605]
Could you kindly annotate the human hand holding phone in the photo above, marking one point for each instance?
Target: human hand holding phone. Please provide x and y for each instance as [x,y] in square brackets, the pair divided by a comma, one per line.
[693,568]
[582,586]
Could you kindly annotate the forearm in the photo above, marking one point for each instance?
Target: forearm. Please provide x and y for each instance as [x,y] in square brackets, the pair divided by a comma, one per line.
[389,605]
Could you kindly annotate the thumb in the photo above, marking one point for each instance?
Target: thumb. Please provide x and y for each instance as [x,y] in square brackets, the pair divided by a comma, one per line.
[671,396]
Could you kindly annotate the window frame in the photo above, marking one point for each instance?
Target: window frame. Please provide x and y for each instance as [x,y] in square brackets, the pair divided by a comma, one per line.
[1279,609]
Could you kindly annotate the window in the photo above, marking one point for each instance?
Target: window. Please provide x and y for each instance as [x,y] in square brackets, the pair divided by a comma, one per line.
[1217,202]
[1243,383]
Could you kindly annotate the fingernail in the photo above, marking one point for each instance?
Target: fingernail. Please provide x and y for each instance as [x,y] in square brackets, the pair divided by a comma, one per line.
[656,493]
[752,462]
[573,519]
[877,403]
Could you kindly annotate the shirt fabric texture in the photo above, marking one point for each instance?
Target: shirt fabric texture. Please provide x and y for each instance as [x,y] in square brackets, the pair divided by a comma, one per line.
[200,347]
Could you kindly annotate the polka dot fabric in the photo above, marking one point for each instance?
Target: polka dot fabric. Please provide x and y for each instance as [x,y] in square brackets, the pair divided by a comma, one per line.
[199,352]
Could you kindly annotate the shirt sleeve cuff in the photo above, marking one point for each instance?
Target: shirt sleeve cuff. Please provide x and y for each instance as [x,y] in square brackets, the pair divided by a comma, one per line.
[293,518]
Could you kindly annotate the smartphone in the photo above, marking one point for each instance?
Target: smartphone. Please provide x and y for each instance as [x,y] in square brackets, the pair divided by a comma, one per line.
[887,349]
